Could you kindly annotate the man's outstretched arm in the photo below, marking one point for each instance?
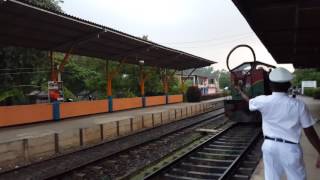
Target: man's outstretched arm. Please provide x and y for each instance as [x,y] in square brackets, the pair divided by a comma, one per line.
[314,140]
[243,95]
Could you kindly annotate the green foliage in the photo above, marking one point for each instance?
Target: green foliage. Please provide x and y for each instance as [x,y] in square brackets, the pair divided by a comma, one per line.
[316,94]
[85,75]
[226,93]
[308,91]
[153,85]
[68,94]
[8,94]
[24,70]
[48,4]
[312,92]
[174,86]
[305,75]
[193,94]
[224,79]
[188,83]
[126,83]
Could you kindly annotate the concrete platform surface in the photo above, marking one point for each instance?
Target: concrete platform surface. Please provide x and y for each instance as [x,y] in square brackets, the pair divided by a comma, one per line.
[49,127]
[309,153]
[21,145]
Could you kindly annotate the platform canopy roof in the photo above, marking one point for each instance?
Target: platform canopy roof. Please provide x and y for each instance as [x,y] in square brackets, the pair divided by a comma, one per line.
[26,25]
[289,29]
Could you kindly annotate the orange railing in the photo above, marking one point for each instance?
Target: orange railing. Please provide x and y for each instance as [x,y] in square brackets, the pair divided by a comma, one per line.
[175,98]
[26,114]
[126,103]
[72,109]
[155,100]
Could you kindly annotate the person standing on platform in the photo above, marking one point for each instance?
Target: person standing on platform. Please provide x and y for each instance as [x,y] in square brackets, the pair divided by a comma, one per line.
[283,119]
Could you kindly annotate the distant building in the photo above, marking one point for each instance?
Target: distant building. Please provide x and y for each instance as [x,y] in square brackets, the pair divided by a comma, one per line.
[37,96]
[207,85]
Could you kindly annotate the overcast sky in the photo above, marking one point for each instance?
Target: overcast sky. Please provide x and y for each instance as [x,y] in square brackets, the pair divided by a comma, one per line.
[206,28]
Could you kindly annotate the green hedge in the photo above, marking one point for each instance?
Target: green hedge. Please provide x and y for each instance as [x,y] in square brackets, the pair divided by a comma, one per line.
[312,92]
[316,94]
[193,94]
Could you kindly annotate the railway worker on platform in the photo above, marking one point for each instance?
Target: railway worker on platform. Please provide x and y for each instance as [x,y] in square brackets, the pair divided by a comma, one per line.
[283,119]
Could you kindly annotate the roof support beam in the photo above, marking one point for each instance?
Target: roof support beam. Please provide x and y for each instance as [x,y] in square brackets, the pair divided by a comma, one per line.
[304,6]
[132,52]
[296,25]
[31,26]
[79,40]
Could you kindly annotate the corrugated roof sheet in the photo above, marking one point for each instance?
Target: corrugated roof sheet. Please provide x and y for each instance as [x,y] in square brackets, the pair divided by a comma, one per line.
[289,29]
[27,25]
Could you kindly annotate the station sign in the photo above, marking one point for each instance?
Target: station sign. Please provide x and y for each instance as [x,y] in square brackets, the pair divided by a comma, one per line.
[309,84]
[55,91]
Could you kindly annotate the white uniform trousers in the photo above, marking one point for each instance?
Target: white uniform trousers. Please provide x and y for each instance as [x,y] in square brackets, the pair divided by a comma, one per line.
[283,158]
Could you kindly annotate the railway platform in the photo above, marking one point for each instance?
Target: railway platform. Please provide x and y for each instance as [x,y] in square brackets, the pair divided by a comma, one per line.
[23,144]
[310,153]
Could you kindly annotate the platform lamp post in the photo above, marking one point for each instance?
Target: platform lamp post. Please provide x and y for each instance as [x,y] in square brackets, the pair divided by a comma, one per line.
[142,79]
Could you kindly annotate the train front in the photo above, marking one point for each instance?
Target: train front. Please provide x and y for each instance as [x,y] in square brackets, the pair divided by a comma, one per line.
[252,78]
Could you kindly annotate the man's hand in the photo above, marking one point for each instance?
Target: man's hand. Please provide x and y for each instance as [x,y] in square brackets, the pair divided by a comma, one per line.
[237,88]
[318,162]
[243,95]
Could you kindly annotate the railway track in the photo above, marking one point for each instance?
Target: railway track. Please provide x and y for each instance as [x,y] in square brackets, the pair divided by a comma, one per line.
[126,162]
[230,154]
[67,166]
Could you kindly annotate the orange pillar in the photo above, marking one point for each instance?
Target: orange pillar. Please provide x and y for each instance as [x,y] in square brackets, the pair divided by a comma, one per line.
[142,87]
[110,75]
[109,86]
[109,80]
[165,86]
[165,82]
[142,79]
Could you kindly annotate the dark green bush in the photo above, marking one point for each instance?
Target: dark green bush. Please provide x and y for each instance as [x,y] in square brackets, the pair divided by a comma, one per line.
[193,94]
[316,93]
[312,92]
[309,91]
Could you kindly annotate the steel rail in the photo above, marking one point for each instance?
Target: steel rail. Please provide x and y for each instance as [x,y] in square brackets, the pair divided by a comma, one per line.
[233,167]
[228,172]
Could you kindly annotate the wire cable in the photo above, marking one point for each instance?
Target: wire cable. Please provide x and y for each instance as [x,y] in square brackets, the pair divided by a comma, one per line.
[18,73]
[214,45]
[209,40]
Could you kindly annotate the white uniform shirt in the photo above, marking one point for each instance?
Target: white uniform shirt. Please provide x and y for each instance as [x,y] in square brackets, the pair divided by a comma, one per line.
[282,116]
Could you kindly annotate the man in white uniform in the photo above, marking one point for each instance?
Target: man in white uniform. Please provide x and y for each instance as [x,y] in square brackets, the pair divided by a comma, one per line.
[283,119]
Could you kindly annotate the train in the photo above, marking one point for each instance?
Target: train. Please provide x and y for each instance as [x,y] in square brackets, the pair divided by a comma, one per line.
[252,78]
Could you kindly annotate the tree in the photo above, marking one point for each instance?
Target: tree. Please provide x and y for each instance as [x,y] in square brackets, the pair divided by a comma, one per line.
[23,70]
[306,75]
[224,79]
[48,4]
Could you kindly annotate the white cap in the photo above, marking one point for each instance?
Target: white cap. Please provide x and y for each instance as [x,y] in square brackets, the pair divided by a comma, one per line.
[280,75]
